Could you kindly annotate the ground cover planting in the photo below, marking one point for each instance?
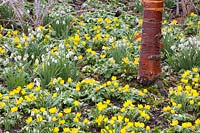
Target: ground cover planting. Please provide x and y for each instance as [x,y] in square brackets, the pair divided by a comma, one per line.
[77,73]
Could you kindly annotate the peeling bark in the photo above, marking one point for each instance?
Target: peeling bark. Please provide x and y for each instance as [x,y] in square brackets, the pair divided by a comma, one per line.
[149,64]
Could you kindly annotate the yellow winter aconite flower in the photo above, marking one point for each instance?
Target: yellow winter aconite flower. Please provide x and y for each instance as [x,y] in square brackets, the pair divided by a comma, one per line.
[42,109]
[179,105]
[76,103]
[80,57]
[37,88]
[191,102]
[102,56]
[85,121]
[186,124]
[2,104]
[113,78]
[2,51]
[122,110]
[39,119]
[140,22]
[62,82]
[148,128]
[36,111]
[174,22]
[120,118]
[14,109]
[165,22]
[76,119]
[29,120]
[172,111]
[168,108]
[140,106]
[140,93]
[99,20]
[52,110]
[6,97]
[108,21]
[101,106]
[99,119]
[116,84]
[197,122]
[147,107]
[192,14]
[19,101]
[53,119]
[30,85]
[16,40]
[69,80]
[174,122]
[109,83]
[184,81]
[136,61]
[1,28]
[88,81]
[195,69]
[54,95]
[125,60]
[61,122]
[67,110]
[55,130]
[19,46]
[75,130]
[60,114]
[66,130]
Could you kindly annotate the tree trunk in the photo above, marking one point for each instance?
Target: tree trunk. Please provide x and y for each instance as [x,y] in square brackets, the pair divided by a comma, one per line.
[149,64]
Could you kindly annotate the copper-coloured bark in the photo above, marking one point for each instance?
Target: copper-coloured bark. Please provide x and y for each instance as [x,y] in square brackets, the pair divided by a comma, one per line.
[149,64]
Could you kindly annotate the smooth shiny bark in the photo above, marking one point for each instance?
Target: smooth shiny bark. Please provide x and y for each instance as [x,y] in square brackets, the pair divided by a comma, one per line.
[149,64]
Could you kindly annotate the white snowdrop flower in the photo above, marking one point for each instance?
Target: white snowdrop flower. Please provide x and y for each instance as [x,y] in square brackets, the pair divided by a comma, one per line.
[25,57]
[21,65]
[37,81]
[45,112]
[19,57]
[64,22]
[28,11]
[111,39]
[48,63]
[173,47]
[68,10]
[75,58]
[57,89]
[7,60]
[62,12]
[32,56]
[22,40]
[57,22]
[43,57]
[70,53]
[62,46]
[182,40]
[54,60]
[38,35]
[32,113]
[49,118]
